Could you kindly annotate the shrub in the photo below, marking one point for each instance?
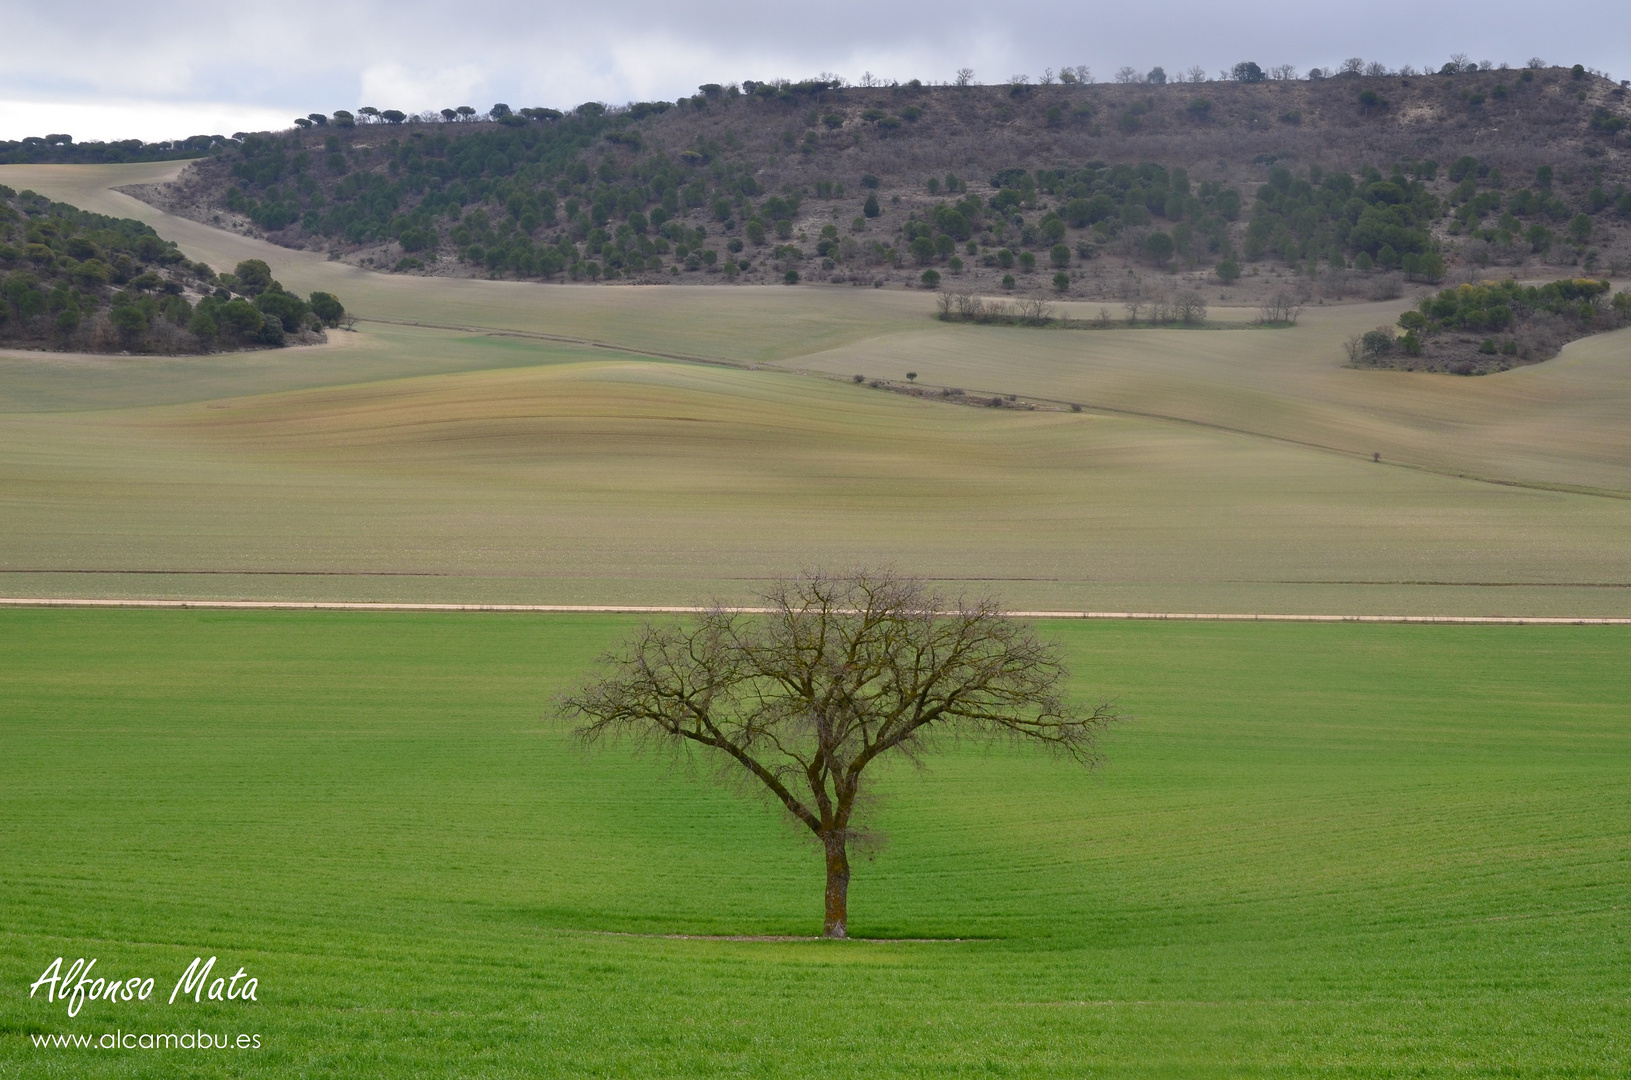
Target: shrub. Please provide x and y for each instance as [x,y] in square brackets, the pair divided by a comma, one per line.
[1228,271]
[931,279]
[1158,248]
[1061,281]
[791,277]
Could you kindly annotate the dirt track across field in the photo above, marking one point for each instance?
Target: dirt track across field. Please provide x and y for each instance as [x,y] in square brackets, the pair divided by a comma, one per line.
[628,609]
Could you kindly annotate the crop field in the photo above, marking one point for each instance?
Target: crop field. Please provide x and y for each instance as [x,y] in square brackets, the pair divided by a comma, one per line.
[1315,851]
[1323,851]
[501,441]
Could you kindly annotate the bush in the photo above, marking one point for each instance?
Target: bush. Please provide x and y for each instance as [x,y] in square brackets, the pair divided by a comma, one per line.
[791,277]
[1059,255]
[870,208]
[1061,281]
[931,279]
[1228,271]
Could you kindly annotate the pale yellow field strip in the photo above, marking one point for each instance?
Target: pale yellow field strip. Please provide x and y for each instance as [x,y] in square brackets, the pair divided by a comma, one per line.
[692,609]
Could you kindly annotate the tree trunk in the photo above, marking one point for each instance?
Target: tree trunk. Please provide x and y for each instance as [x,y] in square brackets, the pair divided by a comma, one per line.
[836,923]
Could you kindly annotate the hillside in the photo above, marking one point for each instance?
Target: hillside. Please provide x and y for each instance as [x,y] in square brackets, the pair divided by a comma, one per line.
[1346,184]
[75,280]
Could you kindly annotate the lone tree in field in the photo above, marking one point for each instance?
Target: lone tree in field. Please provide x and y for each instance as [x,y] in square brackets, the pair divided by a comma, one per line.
[835,673]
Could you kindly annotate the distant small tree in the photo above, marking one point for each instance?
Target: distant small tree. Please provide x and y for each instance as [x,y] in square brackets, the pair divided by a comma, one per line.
[1158,248]
[870,207]
[1059,255]
[931,279]
[1127,75]
[1157,76]
[254,277]
[1247,71]
[393,116]
[466,112]
[1061,281]
[1580,228]
[1280,309]
[1189,308]
[449,115]
[327,306]
[318,118]
[841,671]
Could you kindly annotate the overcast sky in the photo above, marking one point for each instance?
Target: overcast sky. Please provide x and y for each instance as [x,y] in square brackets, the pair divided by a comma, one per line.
[170,68]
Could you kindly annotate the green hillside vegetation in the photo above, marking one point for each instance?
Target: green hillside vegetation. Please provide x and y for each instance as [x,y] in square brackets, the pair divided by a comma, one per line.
[70,279]
[1493,326]
[1011,185]
[1317,851]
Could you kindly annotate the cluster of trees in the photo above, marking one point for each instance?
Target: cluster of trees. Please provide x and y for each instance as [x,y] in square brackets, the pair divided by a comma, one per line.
[62,150]
[1109,200]
[1499,305]
[1375,221]
[1521,323]
[501,113]
[1249,71]
[491,191]
[1534,217]
[74,279]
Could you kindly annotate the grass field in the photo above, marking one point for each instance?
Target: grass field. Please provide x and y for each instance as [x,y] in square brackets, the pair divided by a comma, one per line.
[1211,470]
[1333,851]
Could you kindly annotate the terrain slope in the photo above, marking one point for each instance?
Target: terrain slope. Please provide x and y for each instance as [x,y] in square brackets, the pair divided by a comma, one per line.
[503,440]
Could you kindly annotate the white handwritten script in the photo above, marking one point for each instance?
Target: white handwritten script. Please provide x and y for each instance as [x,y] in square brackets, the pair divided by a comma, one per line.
[76,986]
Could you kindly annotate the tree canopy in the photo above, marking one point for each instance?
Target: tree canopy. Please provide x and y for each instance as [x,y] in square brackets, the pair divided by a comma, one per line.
[836,672]
[74,279]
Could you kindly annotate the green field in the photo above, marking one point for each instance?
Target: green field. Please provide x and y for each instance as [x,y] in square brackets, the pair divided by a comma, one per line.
[1334,851]
[556,446]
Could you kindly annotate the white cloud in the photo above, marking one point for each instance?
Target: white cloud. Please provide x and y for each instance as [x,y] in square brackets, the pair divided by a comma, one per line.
[396,86]
[150,121]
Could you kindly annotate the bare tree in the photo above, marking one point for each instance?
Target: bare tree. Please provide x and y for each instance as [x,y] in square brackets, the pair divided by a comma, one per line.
[1034,311]
[1189,307]
[1196,74]
[965,77]
[1131,293]
[1283,72]
[840,671]
[1282,307]
[1353,65]
[1128,75]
